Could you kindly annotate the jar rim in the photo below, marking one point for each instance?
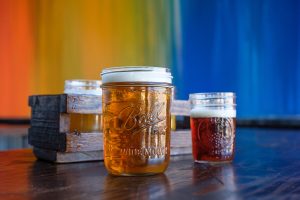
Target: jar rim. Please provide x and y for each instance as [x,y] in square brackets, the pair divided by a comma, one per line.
[134,68]
[212,95]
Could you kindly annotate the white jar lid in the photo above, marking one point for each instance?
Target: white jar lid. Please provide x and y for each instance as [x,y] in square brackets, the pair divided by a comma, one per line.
[136,74]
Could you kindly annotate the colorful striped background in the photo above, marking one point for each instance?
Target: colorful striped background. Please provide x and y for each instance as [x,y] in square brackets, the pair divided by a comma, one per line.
[42,43]
[250,47]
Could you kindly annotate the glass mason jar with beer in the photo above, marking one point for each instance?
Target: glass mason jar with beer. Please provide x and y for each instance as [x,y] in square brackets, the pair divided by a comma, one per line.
[213,125]
[136,119]
[82,122]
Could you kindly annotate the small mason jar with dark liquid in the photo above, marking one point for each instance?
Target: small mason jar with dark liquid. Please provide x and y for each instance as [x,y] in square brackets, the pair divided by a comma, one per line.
[82,122]
[213,126]
[136,120]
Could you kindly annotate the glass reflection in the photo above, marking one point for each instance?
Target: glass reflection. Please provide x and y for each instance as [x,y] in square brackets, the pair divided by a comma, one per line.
[63,181]
[148,187]
[215,179]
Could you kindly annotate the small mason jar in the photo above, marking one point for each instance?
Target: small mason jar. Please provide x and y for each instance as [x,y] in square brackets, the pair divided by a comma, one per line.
[213,126]
[82,122]
[136,119]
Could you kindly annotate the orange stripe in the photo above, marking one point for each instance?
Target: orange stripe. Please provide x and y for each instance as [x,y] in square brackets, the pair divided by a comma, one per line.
[16,55]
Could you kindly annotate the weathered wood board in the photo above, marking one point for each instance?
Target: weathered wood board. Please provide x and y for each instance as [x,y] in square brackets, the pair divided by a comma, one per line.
[62,157]
[180,108]
[89,147]
[88,104]
[181,138]
[65,142]
[84,142]
[77,142]
[54,103]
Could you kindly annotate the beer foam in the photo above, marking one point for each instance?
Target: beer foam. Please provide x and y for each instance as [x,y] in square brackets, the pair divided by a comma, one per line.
[205,112]
[137,74]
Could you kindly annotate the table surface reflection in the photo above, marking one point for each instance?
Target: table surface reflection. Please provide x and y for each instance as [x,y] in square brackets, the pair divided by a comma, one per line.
[266,166]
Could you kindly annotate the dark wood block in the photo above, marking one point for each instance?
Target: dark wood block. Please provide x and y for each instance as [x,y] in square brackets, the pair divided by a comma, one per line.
[47,138]
[56,103]
[62,157]
[50,120]
[45,120]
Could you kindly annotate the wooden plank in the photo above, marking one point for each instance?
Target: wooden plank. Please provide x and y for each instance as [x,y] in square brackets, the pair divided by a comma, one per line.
[70,157]
[87,104]
[180,150]
[87,146]
[62,157]
[181,138]
[75,142]
[64,123]
[82,142]
[180,108]
[94,141]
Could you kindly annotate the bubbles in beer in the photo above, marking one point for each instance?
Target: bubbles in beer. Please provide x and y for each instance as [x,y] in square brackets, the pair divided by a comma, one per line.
[136,129]
[213,134]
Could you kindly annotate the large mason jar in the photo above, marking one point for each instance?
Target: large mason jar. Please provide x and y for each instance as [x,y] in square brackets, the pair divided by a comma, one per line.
[136,119]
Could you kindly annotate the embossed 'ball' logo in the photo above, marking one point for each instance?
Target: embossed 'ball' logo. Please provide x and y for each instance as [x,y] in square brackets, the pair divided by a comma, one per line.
[215,133]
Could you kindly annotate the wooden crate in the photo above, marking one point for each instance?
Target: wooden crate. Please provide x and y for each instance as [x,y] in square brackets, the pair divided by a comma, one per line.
[52,139]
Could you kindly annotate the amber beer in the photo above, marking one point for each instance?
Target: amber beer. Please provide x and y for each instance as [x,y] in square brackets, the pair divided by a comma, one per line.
[136,120]
[213,127]
[85,123]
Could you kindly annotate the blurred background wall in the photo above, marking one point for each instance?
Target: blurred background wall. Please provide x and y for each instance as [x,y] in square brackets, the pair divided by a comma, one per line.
[250,47]
[44,42]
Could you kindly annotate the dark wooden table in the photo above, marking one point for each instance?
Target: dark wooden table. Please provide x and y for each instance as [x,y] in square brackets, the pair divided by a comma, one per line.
[266,166]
